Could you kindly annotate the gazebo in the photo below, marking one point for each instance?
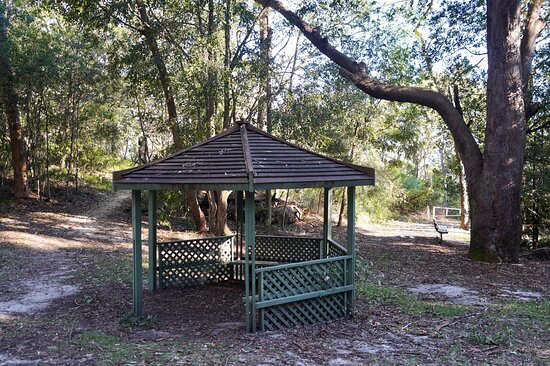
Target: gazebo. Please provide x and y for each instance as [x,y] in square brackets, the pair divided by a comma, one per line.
[289,281]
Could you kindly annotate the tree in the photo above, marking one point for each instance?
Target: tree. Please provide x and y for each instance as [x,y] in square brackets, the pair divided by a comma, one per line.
[493,176]
[264,99]
[148,33]
[11,110]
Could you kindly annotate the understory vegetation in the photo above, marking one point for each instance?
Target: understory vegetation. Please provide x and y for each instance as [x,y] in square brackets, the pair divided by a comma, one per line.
[102,87]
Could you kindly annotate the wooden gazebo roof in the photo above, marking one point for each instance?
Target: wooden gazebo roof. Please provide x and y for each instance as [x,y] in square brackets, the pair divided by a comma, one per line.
[243,157]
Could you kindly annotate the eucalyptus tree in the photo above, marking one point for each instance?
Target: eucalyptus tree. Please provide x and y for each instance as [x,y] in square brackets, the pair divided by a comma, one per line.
[493,175]
[9,99]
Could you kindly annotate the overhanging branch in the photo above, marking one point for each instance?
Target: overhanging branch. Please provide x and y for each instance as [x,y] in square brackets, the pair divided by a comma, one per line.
[356,72]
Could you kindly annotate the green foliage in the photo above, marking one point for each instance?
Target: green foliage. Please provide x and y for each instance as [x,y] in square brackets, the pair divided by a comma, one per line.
[173,209]
[487,339]
[536,191]
[91,100]
[143,322]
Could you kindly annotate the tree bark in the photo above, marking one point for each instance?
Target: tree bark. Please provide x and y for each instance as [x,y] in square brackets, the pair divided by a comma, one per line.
[342,208]
[495,194]
[494,177]
[210,89]
[11,110]
[221,227]
[464,202]
[150,39]
[227,66]
[264,100]
[534,25]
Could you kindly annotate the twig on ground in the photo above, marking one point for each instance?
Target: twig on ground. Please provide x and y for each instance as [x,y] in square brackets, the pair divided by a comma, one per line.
[455,320]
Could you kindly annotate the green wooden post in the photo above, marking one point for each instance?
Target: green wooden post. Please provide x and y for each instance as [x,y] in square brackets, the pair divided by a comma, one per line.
[351,248]
[136,236]
[250,261]
[327,222]
[152,239]
[240,220]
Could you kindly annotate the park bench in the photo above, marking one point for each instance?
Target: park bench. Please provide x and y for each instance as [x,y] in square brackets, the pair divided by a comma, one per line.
[441,230]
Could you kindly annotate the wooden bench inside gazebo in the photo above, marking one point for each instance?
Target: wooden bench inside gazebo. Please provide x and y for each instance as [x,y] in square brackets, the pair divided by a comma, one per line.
[289,281]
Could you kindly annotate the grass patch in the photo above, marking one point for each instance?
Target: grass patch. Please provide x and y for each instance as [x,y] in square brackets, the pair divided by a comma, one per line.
[96,181]
[386,295]
[141,322]
[108,269]
[486,338]
[535,310]
[112,350]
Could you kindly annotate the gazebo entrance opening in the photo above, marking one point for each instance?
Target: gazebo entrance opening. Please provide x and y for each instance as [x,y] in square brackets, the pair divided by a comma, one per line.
[289,281]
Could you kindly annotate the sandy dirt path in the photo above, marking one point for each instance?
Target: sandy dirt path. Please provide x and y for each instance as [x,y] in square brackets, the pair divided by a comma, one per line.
[52,242]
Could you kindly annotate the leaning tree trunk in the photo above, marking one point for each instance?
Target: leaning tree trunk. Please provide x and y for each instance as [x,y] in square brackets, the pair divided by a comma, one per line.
[9,101]
[150,39]
[494,176]
[495,195]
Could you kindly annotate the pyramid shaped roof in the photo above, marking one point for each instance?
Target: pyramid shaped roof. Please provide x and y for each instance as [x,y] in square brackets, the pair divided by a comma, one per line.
[243,157]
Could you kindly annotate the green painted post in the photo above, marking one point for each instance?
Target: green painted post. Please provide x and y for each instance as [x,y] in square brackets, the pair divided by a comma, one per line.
[136,242]
[261,298]
[240,220]
[152,239]
[250,265]
[351,248]
[327,222]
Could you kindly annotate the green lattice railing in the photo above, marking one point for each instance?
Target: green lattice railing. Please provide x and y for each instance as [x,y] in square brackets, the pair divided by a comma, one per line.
[287,249]
[335,249]
[195,261]
[303,293]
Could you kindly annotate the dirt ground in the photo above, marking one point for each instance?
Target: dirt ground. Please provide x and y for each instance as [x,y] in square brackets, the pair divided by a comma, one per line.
[65,298]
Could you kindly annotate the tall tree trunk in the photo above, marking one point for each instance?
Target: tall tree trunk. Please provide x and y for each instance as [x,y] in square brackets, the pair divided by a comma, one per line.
[151,41]
[221,227]
[227,66]
[9,101]
[47,132]
[495,194]
[350,157]
[464,202]
[342,208]
[148,33]
[264,100]
[494,177]
[210,90]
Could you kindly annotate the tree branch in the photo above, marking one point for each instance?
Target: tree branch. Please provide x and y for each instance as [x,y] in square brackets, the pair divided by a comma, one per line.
[537,128]
[531,110]
[356,72]
[534,24]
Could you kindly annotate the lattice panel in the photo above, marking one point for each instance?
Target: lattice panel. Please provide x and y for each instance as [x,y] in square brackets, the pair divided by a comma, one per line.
[287,249]
[195,262]
[306,312]
[303,279]
[335,250]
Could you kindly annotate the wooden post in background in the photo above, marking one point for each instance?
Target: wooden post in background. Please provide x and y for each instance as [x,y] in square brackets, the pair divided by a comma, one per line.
[152,239]
[250,256]
[351,248]
[327,221]
[136,244]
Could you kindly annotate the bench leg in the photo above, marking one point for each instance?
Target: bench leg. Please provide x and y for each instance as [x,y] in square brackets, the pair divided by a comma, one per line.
[441,238]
